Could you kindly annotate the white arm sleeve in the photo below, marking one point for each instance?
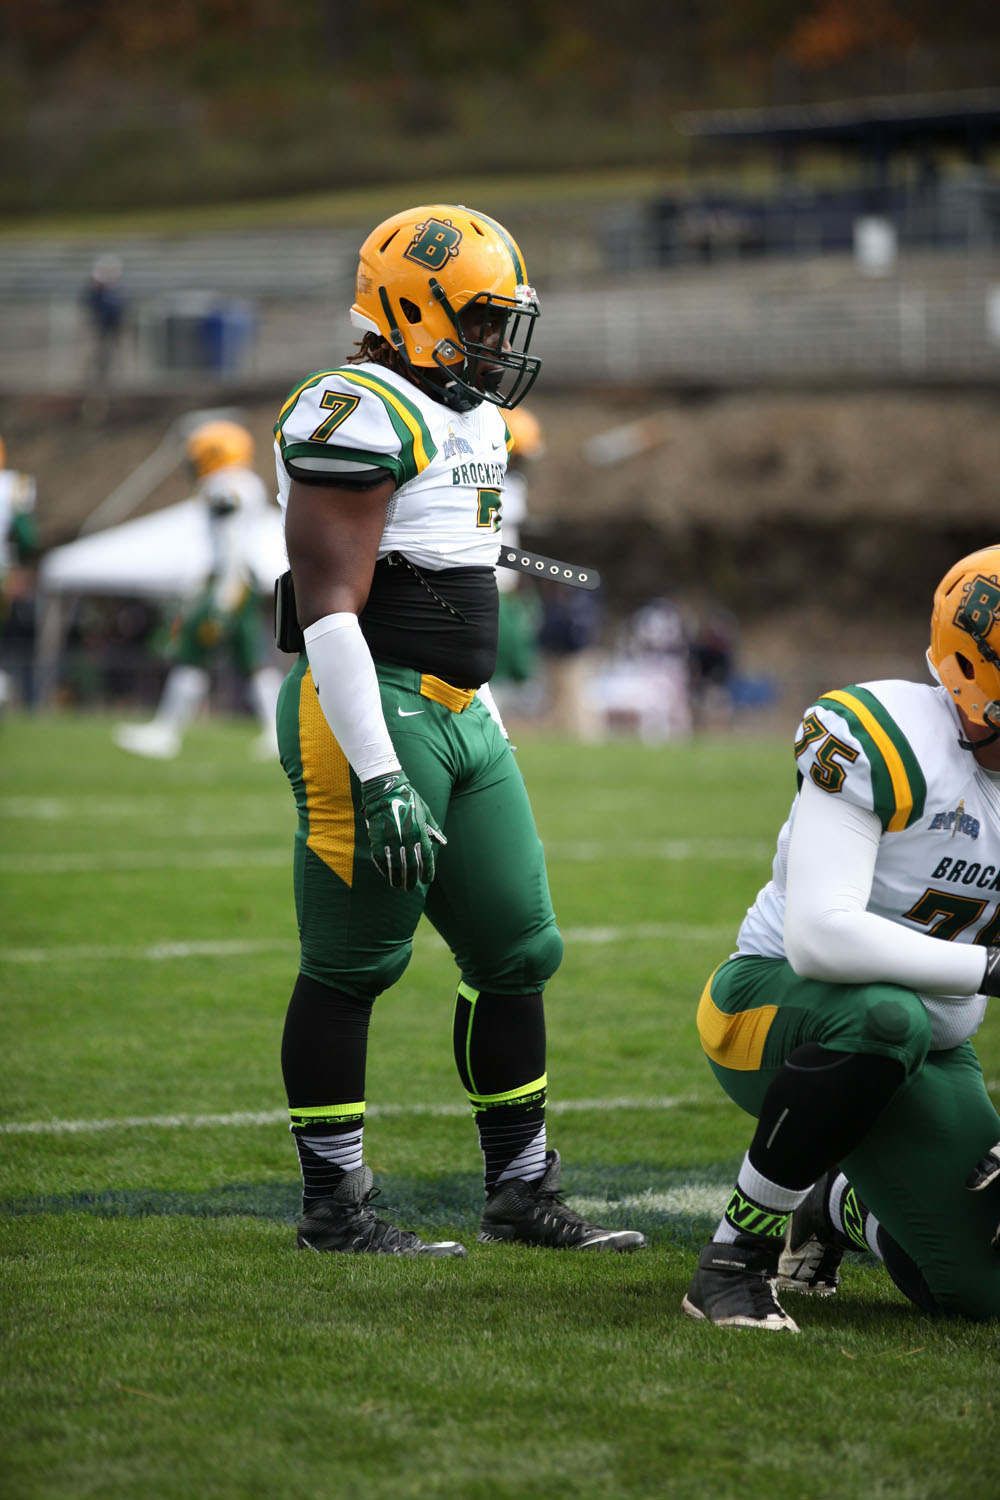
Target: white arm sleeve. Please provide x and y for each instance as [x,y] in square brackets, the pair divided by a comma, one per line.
[828,933]
[485,695]
[344,674]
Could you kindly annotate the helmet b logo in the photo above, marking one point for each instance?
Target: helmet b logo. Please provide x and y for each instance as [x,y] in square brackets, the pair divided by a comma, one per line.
[978,611]
[434,244]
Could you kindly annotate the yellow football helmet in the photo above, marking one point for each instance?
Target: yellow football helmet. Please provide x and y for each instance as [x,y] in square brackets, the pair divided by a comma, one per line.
[219,445]
[526,431]
[447,289]
[3,454]
[964,653]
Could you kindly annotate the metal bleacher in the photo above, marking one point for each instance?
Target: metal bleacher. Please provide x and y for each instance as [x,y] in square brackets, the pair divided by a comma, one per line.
[613,310]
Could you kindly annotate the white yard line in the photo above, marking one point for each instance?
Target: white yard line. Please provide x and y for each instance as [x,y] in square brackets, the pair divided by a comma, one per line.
[280,1116]
[689,1198]
[172,857]
[642,932]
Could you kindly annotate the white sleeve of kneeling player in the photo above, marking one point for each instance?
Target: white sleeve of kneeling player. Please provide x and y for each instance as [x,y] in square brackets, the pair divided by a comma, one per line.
[830,935]
[345,680]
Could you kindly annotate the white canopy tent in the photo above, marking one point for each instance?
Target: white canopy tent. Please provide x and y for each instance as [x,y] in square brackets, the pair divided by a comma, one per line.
[163,555]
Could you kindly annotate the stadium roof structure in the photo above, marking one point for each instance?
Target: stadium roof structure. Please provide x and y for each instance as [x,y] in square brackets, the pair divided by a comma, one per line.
[967,121]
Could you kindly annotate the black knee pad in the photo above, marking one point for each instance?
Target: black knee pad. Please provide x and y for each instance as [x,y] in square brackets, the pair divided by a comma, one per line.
[820,1105]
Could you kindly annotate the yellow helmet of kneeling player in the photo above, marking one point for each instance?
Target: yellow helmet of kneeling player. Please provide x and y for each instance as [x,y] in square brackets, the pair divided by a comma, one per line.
[219,445]
[446,287]
[964,652]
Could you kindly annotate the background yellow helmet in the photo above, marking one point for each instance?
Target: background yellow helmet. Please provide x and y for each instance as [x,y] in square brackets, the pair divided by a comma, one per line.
[965,635]
[3,454]
[526,431]
[418,272]
[219,445]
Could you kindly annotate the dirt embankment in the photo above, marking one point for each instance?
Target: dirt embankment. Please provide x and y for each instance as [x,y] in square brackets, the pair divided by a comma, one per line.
[822,519]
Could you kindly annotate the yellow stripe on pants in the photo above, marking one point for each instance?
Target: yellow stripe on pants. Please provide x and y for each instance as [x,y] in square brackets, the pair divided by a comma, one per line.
[327,778]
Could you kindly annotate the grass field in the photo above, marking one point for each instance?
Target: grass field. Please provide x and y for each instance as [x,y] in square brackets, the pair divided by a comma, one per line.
[163,1338]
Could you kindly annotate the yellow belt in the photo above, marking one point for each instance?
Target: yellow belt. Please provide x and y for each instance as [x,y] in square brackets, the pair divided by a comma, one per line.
[442,692]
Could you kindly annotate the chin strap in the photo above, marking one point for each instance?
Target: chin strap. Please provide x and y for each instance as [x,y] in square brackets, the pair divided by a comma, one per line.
[979,744]
[987,723]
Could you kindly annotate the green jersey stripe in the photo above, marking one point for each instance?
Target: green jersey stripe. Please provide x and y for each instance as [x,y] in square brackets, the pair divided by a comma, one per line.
[417,447]
[359,456]
[294,395]
[519,270]
[899,789]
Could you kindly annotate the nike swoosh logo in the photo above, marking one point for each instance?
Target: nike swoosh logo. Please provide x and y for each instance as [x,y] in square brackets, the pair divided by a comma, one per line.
[408,713]
[396,804]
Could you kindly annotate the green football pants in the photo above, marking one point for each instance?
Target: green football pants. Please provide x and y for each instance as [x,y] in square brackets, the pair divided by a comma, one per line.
[911,1167]
[204,633]
[489,899]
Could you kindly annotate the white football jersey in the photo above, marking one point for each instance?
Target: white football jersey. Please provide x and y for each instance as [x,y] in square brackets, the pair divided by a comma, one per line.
[892,748]
[233,497]
[17,495]
[448,467]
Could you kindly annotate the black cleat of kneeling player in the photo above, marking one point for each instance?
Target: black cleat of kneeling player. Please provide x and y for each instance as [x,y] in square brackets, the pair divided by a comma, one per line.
[346,1223]
[533,1213]
[734,1286]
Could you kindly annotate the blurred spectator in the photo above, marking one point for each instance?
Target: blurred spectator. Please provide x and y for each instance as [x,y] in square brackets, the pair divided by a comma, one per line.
[224,619]
[567,639]
[713,666]
[646,685]
[19,550]
[104,298]
[113,653]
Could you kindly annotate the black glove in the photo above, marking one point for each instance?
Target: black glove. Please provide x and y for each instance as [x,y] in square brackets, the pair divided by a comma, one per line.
[401,831]
[991,979]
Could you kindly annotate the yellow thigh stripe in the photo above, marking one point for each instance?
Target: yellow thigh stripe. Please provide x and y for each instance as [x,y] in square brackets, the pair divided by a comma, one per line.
[735,1042]
[327,778]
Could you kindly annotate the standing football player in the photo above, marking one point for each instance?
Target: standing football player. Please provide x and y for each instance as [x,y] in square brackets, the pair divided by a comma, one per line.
[843,1021]
[19,549]
[223,619]
[391,468]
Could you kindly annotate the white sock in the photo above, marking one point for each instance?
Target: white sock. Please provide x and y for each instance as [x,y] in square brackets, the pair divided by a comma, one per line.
[182,696]
[343,1151]
[530,1163]
[265,685]
[763,1193]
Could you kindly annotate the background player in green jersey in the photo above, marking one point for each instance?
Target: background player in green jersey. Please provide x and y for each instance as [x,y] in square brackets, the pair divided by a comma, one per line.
[843,1022]
[409,800]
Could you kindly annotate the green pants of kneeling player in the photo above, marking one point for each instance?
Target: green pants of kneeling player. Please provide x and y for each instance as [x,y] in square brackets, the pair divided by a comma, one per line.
[911,1168]
[489,899]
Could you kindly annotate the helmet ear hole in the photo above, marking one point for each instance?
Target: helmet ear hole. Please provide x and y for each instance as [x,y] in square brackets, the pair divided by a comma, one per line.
[410,310]
[965,666]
